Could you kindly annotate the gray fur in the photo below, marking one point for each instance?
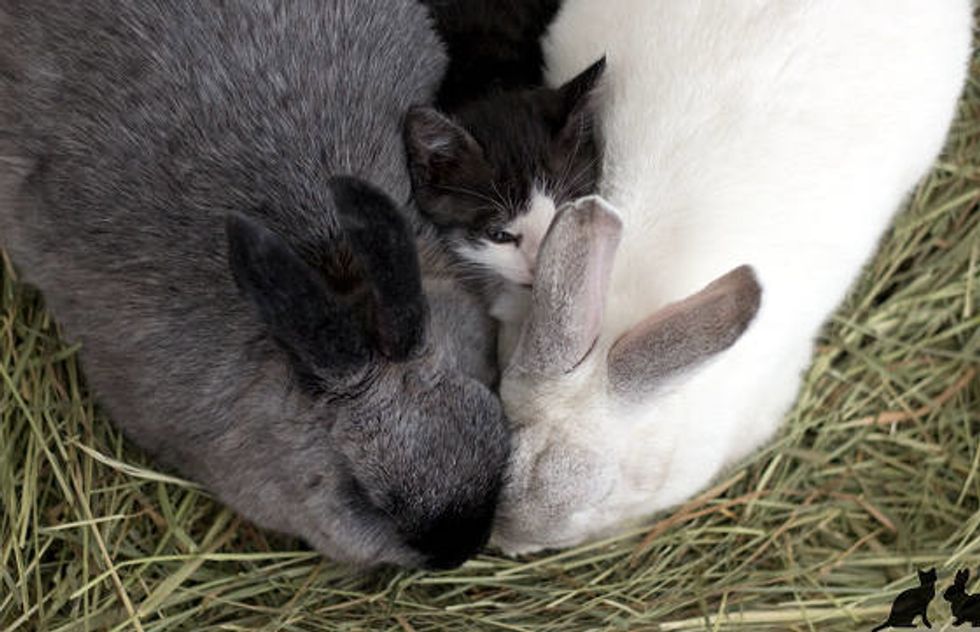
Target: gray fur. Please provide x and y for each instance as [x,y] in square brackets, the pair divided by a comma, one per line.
[137,128]
[684,334]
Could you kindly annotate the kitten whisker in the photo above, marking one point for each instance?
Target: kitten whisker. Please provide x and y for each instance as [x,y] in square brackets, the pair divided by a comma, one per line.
[582,176]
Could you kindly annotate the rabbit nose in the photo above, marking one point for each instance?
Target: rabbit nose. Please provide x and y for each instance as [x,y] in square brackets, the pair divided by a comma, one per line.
[449,543]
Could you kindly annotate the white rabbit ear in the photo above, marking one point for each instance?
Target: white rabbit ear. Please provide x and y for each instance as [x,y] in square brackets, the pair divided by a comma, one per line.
[568,298]
[684,334]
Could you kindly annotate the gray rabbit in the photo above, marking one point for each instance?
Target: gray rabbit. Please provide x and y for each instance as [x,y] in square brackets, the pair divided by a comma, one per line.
[169,179]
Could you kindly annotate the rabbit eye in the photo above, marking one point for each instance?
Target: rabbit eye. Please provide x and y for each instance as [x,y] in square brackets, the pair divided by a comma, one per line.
[499,236]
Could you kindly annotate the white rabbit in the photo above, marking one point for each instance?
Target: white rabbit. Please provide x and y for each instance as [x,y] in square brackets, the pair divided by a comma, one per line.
[779,135]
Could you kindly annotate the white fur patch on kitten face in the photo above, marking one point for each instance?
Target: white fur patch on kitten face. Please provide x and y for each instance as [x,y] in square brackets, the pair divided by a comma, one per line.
[515,261]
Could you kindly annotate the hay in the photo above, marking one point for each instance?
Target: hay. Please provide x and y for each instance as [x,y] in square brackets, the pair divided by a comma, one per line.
[876,473]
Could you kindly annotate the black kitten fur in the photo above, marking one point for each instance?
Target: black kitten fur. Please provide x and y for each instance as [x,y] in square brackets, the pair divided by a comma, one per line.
[493,45]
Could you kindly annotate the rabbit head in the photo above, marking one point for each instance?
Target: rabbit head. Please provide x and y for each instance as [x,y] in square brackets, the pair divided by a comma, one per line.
[567,386]
[412,449]
[958,587]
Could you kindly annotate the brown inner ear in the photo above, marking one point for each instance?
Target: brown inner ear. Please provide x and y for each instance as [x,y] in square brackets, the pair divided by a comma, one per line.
[684,334]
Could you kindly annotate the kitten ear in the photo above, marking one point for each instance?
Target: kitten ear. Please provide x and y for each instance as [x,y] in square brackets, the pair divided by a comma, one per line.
[575,111]
[437,146]
[442,157]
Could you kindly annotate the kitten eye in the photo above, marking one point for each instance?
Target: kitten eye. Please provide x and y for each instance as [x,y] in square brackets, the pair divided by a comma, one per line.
[498,236]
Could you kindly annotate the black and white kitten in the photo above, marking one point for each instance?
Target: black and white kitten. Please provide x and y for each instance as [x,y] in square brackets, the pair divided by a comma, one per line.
[491,174]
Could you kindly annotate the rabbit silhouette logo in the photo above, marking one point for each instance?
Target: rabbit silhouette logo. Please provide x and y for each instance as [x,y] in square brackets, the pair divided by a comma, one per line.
[965,608]
[914,602]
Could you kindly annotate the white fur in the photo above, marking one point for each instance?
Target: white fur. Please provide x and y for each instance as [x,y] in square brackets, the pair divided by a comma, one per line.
[779,133]
[515,262]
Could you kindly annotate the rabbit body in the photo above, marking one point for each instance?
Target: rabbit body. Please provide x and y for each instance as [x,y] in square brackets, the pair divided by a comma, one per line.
[129,132]
[964,606]
[782,135]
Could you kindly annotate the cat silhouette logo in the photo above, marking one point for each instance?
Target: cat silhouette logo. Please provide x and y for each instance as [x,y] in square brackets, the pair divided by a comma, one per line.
[913,603]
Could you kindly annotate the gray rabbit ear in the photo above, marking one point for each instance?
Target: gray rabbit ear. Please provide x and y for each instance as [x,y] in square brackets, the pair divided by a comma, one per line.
[382,240]
[316,330]
[320,329]
[684,334]
[568,298]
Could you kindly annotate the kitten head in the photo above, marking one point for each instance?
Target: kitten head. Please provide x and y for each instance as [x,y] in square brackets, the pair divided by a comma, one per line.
[927,577]
[492,175]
